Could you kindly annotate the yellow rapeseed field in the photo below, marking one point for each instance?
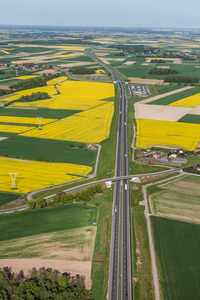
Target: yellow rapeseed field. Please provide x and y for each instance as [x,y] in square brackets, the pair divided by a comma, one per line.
[70,48]
[64,55]
[191,101]
[74,95]
[36,175]
[90,126]
[24,120]
[100,72]
[26,77]
[165,133]
[57,80]
[86,90]
[14,129]
[4,51]
[48,89]
[24,61]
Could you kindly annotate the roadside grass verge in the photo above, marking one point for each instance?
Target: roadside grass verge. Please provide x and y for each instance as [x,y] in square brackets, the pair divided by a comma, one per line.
[106,166]
[141,261]
[101,256]
[177,246]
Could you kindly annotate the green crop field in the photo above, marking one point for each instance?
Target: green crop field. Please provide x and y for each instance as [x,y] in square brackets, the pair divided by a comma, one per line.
[82,58]
[190,119]
[177,246]
[11,81]
[173,98]
[178,199]
[55,219]
[41,112]
[45,149]
[7,198]
[162,89]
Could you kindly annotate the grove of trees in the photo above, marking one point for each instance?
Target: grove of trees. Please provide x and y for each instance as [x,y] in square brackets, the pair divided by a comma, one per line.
[82,70]
[42,284]
[62,198]
[182,79]
[160,71]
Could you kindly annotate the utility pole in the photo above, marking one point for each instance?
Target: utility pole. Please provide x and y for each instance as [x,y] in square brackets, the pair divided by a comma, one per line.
[13,178]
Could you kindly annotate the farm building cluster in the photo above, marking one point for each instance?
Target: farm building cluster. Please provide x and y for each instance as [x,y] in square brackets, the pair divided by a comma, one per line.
[159,157]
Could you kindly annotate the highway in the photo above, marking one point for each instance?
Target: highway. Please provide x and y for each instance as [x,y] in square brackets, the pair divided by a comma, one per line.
[120,251]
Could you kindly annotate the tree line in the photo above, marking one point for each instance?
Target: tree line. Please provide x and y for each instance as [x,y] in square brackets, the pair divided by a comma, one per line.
[62,198]
[42,284]
[82,70]
[181,79]
[33,83]
[158,61]
[29,98]
[160,71]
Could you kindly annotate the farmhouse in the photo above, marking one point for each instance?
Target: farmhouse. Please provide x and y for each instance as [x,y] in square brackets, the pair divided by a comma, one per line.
[172,155]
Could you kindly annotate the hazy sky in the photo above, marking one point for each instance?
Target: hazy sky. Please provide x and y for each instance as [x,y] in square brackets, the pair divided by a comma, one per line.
[111,13]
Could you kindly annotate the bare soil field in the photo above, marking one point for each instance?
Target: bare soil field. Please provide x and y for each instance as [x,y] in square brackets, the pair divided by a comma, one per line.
[145,64]
[7,96]
[105,61]
[146,81]
[77,63]
[73,267]
[128,63]
[68,251]
[115,59]
[50,71]
[195,110]
[160,112]
[4,87]
[162,67]
[166,94]
[101,53]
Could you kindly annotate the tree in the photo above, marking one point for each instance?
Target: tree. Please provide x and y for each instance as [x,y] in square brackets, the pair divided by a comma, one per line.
[91,190]
[85,196]
[64,281]
[55,200]
[42,284]
[78,196]
[31,204]
[40,202]
[98,188]
[63,198]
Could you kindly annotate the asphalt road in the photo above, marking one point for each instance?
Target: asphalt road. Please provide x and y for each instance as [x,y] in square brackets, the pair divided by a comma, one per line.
[120,241]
